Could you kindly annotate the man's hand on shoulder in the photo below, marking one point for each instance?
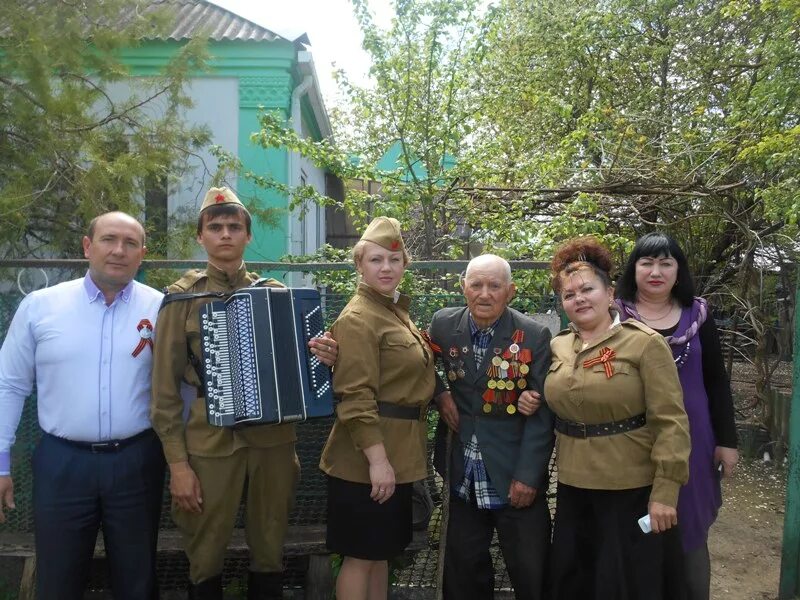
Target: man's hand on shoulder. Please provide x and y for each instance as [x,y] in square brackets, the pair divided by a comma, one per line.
[6,496]
[185,487]
[447,409]
[521,495]
[325,348]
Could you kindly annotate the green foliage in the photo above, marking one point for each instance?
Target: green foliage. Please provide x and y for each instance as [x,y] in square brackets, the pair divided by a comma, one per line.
[676,115]
[74,142]
[404,131]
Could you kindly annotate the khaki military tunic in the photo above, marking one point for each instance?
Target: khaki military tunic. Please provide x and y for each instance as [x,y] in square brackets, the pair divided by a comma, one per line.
[382,357]
[222,458]
[178,330]
[644,379]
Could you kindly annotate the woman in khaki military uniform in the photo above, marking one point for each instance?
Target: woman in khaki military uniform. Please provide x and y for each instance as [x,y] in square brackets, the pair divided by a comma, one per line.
[384,379]
[622,443]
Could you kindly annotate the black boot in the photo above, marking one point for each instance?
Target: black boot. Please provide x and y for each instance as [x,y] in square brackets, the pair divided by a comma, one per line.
[208,589]
[264,586]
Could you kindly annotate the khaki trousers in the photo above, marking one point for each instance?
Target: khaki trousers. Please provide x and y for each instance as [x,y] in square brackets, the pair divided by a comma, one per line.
[271,475]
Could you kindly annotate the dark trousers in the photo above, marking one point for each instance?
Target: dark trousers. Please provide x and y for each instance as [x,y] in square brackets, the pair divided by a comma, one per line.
[75,491]
[524,536]
[599,552]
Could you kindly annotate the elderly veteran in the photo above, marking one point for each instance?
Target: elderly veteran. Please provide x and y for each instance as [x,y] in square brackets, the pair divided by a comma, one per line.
[623,440]
[384,379]
[498,466]
[210,467]
[87,346]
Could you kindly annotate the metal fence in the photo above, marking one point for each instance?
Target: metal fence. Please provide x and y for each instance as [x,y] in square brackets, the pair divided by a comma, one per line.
[417,570]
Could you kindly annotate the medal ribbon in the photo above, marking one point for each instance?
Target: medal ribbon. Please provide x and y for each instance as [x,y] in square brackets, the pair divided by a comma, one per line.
[146,338]
[435,347]
[605,357]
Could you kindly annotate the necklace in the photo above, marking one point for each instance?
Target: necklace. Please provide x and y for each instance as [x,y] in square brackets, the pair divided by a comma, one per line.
[670,306]
[683,356]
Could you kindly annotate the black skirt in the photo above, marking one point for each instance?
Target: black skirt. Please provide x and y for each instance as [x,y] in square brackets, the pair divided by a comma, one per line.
[599,552]
[360,527]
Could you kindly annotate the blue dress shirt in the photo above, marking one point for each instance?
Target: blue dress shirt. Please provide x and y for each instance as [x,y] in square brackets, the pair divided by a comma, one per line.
[80,354]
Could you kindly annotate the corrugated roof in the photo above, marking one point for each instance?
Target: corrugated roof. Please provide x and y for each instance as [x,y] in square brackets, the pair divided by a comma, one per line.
[196,17]
[190,19]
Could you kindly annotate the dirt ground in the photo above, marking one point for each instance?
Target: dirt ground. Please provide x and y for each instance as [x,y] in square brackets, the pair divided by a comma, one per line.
[745,542]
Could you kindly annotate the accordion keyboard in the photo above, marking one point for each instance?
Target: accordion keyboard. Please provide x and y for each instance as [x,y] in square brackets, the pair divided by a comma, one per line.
[217,362]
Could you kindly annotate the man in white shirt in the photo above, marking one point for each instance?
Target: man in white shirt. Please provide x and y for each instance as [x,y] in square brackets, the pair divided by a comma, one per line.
[87,345]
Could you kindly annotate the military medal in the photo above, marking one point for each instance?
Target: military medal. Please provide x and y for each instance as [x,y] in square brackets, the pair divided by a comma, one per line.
[511,409]
[453,351]
[522,383]
[487,408]
[514,348]
[524,369]
[465,349]
[504,365]
[451,375]
[497,361]
[461,374]
[491,384]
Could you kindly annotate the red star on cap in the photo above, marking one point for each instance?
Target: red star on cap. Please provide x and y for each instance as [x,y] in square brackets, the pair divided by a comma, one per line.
[395,245]
[219,198]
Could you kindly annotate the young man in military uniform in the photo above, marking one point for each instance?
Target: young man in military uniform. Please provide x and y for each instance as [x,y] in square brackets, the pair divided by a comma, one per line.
[498,465]
[209,465]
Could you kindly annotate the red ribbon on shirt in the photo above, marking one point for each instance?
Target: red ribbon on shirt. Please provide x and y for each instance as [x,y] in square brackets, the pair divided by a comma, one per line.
[606,355]
[435,347]
[145,328]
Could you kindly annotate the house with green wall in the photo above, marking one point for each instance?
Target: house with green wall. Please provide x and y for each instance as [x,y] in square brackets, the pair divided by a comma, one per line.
[250,67]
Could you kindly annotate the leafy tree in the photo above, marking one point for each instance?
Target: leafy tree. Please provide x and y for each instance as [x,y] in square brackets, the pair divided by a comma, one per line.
[622,116]
[68,147]
[406,130]
[576,116]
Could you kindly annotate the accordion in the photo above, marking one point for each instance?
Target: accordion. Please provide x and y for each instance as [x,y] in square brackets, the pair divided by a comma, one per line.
[256,365]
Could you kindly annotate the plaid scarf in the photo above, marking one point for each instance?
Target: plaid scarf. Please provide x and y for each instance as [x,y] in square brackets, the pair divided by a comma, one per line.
[481,338]
[475,475]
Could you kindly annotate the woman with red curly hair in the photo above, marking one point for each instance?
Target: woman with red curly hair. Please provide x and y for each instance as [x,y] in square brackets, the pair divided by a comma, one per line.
[622,443]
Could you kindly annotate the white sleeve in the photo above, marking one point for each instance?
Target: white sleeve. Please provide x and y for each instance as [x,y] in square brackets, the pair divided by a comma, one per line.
[17,375]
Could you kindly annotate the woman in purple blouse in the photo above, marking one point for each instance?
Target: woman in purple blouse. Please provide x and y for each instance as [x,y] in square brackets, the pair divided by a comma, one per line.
[657,289]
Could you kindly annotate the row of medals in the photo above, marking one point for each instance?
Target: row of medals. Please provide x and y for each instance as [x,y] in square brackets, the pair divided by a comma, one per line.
[500,379]
[499,366]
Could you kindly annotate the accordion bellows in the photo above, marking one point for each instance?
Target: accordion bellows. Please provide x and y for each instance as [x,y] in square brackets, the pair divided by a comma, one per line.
[257,367]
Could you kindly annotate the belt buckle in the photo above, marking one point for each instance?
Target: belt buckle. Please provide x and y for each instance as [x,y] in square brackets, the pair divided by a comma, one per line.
[100,447]
[582,429]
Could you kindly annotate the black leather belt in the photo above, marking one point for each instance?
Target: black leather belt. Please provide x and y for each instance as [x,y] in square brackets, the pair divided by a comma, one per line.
[395,411]
[107,445]
[582,430]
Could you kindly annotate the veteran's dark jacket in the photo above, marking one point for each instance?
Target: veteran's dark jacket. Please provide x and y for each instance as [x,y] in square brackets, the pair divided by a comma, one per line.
[513,446]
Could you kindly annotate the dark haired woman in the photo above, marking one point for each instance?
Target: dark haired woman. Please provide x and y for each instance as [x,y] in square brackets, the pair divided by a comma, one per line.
[657,289]
[622,443]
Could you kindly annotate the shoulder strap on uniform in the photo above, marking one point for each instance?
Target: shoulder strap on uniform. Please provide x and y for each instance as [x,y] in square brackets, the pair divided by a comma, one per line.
[178,296]
[184,283]
[266,282]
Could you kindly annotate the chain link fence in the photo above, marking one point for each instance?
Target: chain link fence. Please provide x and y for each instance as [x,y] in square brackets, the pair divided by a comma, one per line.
[415,570]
